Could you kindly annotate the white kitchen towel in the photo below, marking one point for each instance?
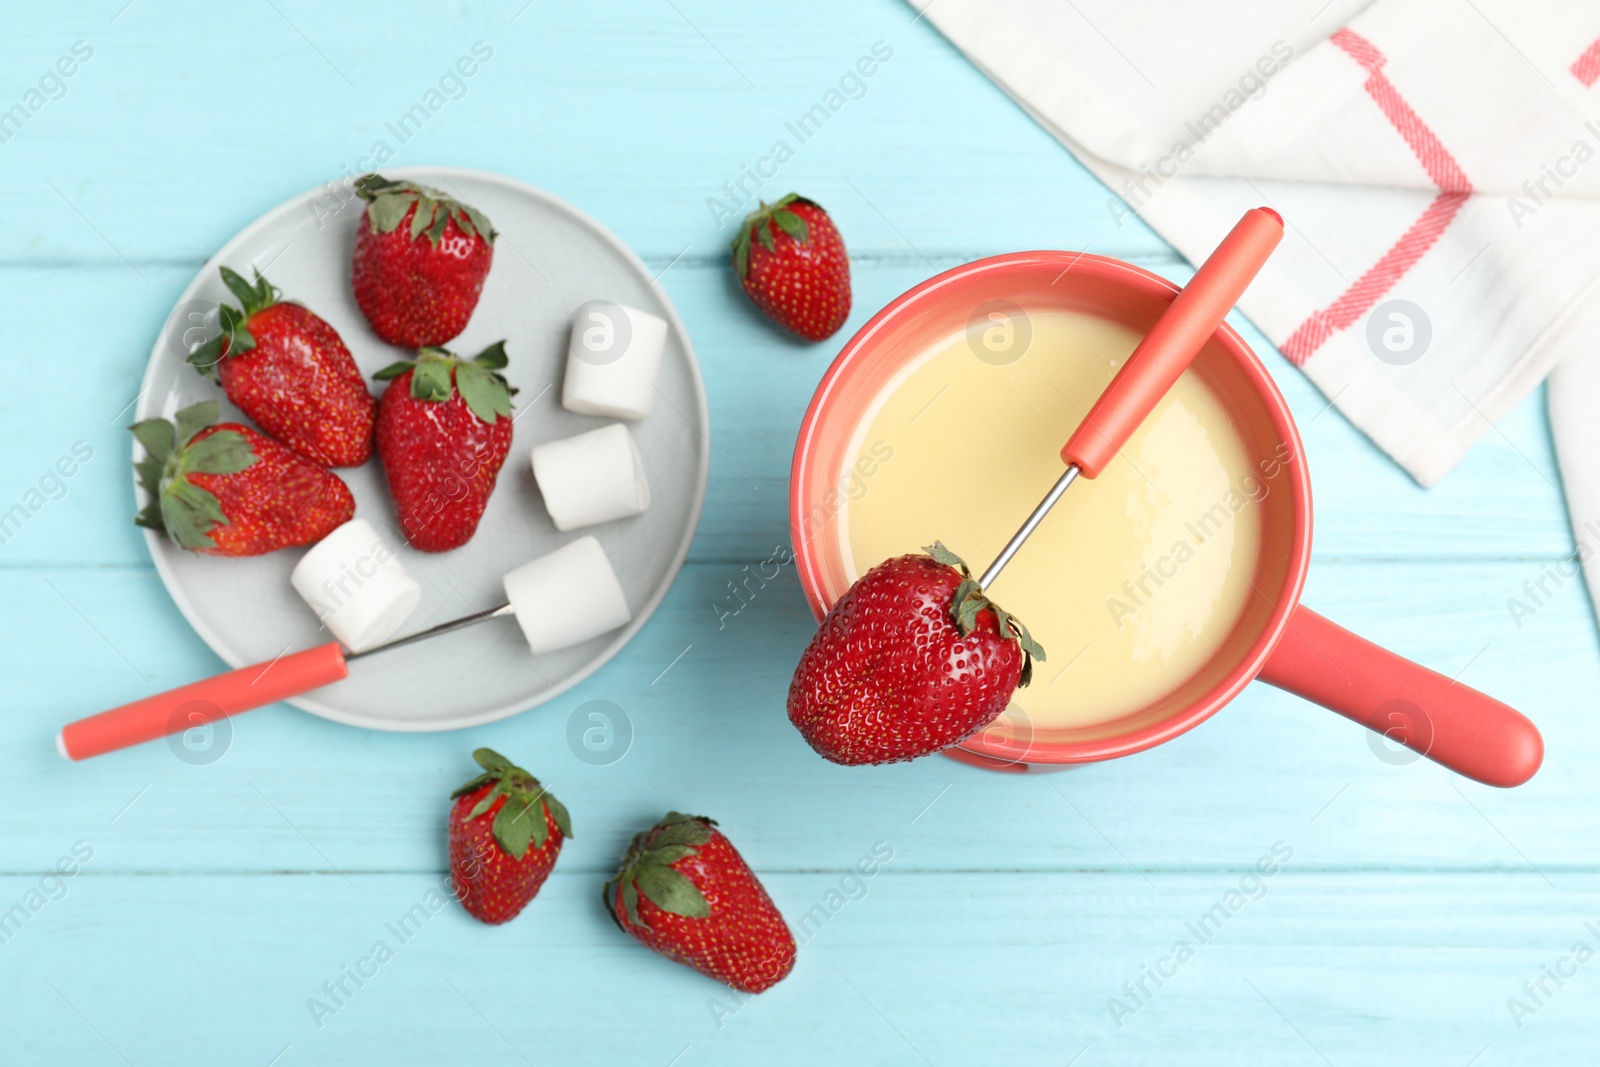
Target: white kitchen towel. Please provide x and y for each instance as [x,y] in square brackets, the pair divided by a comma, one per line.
[1437,163]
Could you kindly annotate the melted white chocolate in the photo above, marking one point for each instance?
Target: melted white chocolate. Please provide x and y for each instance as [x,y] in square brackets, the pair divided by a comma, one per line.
[1135,578]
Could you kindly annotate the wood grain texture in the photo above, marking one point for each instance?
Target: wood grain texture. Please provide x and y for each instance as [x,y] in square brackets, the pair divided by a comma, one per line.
[910,969]
[222,893]
[1502,503]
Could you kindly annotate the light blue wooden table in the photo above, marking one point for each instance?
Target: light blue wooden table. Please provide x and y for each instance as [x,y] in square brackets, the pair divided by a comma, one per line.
[213,900]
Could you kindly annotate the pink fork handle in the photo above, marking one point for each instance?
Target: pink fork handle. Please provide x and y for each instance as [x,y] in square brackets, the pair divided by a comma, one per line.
[179,709]
[1171,345]
[1453,725]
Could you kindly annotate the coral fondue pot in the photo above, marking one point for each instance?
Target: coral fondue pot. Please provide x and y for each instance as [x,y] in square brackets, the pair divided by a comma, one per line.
[1273,637]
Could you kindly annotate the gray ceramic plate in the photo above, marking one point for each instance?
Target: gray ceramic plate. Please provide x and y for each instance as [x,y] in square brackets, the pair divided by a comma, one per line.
[549,258]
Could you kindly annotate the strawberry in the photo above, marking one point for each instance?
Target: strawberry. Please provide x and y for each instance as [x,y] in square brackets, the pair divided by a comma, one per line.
[505,833]
[223,489]
[912,659]
[444,429]
[420,261]
[796,269]
[291,374]
[685,892]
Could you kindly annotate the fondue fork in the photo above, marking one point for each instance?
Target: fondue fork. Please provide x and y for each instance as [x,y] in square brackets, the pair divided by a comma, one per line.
[1172,343]
[203,702]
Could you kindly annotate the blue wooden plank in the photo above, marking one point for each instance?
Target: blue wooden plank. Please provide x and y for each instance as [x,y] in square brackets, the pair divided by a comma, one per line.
[709,732]
[1299,967]
[758,384]
[641,138]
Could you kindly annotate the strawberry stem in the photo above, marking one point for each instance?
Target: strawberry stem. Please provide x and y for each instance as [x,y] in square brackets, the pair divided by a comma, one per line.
[235,338]
[647,868]
[388,201]
[761,224]
[969,599]
[178,508]
[520,821]
[437,373]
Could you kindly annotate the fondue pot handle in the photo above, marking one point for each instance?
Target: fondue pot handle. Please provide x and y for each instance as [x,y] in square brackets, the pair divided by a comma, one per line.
[1172,343]
[1452,724]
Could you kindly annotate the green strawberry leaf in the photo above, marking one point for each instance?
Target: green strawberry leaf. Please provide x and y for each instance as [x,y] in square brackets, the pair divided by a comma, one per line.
[426,209]
[194,418]
[630,901]
[764,232]
[150,518]
[235,331]
[969,599]
[480,222]
[1031,649]
[967,613]
[647,866]
[609,898]
[242,290]
[486,801]
[252,297]
[388,201]
[965,603]
[207,355]
[177,507]
[477,783]
[431,381]
[235,338]
[394,370]
[150,469]
[370,186]
[266,292]
[189,513]
[558,812]
[792,224]
[436,230]
[514,827]
[493,357]
[437,373]
[666,855]
[202,502]
[158,438]
[184,525]
[1004,623]
[672,818]
[1029,645]
[520,820]
[386,211]
[947,557]
[490,760]
[224,452]
[535,817]
[686,831]
[672,892]
[484,393]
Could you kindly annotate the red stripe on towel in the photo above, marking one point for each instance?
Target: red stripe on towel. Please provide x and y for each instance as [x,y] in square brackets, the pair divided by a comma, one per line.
[1587,67]
[1454,188]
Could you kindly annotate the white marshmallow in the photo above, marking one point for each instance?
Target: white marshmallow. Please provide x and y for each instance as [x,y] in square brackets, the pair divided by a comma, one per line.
[613,358]
[567,596]
[592,477]
[356,585]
